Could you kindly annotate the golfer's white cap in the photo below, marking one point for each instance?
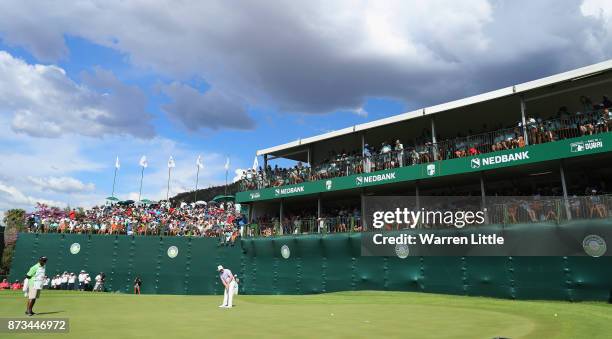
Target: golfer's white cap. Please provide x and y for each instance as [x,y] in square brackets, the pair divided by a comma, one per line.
[219,268]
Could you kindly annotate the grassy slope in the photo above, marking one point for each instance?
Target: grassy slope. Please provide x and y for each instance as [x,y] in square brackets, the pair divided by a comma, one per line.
[355,314]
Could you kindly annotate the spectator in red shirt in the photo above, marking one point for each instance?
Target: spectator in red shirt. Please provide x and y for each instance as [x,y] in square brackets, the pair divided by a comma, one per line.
[16,285]
[4,285]
[473,150]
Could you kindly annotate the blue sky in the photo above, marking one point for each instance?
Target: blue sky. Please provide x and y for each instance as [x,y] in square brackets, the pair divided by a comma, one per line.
[83,83]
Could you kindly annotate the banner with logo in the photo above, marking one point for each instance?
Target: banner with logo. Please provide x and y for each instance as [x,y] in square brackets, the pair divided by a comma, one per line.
[568,148]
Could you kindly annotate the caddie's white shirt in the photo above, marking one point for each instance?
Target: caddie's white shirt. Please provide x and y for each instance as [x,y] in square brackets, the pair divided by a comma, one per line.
[72,279]
[81,277]
[64,279]
[39,278]
[98,278]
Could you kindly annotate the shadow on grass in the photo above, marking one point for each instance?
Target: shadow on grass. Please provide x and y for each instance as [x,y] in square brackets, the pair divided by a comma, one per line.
[52,312]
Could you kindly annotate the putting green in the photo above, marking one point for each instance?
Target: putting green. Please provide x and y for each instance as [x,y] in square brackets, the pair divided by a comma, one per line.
[347,314]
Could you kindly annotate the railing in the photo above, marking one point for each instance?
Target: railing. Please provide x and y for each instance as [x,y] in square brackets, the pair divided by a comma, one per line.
[518,211]
[515,211]
[144,229]
[305,226]
[537,132]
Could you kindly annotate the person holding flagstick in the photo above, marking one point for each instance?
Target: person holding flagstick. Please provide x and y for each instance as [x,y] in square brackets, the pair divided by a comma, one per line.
[143,163]
[171,165]
[199,166]
[115,176]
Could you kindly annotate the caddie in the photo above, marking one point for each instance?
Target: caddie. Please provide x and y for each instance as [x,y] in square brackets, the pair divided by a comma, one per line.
[36,279]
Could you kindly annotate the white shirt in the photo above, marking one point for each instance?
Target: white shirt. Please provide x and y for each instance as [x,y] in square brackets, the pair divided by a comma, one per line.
[39,278]
[71,279]
[64,279]
[226,276]
[81,277]
[98,278]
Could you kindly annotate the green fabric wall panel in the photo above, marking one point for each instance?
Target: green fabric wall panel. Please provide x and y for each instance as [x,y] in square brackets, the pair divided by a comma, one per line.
[338,259]
[202,277]
[589,278]
[310,257]
[540,278]
[101,256]
[49,245]
[488,276]
[316,263]
[118,279]
[25,255]
[77,261]
[142,262]
[405,274]
[443,275]
[171,271]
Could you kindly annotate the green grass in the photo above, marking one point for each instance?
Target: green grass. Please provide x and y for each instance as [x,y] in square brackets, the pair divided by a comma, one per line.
[342,315]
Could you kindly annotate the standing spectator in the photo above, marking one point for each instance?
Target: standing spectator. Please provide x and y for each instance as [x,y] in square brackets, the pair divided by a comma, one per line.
[99,286]
[87,282]
[137,284]
[71,281]
[81,279]
[64,281]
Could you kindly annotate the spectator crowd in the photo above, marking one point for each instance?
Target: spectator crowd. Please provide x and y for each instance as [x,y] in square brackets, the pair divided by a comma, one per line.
[592,119]
[209,220]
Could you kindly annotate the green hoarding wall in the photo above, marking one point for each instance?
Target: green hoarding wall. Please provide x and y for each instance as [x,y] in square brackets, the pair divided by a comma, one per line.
[316,264]
[530,154]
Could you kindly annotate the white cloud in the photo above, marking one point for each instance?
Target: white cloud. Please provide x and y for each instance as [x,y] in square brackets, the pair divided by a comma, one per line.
[62,184]
[238,173]
[12,197]
[321,56]
[35,171]
[45,102]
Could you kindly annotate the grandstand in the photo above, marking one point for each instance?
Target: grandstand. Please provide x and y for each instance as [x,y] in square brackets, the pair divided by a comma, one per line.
[546,137]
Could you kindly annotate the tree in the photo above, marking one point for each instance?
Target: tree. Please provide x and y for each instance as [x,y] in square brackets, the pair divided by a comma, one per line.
[14,221]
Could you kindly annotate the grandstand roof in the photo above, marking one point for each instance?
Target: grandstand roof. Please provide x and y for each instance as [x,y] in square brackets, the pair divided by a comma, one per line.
[572,75]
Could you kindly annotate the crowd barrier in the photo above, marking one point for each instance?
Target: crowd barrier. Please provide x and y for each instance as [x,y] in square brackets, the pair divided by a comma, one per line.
[315,263]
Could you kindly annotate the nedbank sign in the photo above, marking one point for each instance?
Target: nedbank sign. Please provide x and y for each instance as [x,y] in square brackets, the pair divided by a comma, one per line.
[368,179]
[498,159]
[288,190]
[567,148]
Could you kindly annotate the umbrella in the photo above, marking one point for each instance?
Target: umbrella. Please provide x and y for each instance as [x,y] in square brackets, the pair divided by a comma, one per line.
[112,199]
[200,202]
[126,202]
[147,201]
[219,198]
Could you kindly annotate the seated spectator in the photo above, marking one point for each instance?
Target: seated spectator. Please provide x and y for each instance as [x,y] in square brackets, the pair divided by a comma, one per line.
[16,286]
[4,285]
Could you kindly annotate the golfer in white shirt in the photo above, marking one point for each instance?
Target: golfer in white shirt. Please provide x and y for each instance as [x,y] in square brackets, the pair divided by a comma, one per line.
[230,284]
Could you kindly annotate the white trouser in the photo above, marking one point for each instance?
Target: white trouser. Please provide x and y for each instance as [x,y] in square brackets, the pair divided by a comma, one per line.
[228,294]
